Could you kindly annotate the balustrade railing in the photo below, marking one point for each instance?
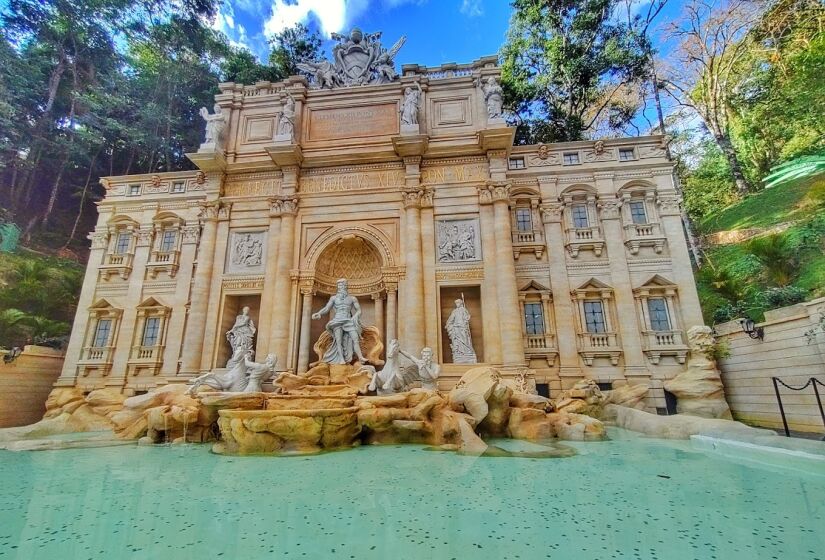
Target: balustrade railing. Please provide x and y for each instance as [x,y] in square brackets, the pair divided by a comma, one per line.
[598,340]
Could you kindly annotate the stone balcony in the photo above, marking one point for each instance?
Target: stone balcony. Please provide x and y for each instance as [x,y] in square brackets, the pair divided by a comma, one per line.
[145,360]
[119,264]
[95,360]
[644,235]
[656,344]
[163,261]
[599,345]
[528,242]
[541,346]
[589,238]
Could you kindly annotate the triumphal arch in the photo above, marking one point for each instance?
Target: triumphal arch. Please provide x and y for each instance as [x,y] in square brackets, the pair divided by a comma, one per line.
[553,262]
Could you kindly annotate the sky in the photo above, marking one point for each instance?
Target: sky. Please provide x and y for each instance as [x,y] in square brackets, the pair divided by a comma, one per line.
[437,31]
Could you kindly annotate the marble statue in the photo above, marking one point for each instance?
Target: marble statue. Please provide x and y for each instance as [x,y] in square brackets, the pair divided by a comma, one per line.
[247,251]
[493,97]
[358,59]
[215,125]
[344,326]
[286,124]
[458,329]
[410,105]
[242,333]
[394,378]
[242,375]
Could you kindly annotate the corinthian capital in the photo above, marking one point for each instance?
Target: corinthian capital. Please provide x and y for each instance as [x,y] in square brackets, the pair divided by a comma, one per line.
[610,209]
[283,205]
[551,212]
[209,210]
[412,198]
[669,205]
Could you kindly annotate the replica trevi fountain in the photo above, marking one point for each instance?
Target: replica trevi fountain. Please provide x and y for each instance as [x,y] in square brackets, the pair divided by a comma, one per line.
[420,335]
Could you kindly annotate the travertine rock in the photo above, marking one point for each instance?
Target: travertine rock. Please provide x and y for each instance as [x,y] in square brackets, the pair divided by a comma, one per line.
[498,403]
[628,395]
[698,389]
[577,427]
[473,390]
[678,426]
[530,424]
[526,400]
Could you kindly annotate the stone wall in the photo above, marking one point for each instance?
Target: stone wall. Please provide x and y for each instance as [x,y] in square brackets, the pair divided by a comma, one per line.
[785,352]
[25,383]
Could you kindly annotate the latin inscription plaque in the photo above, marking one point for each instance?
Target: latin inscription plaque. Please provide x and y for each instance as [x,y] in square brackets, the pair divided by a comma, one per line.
[353,122]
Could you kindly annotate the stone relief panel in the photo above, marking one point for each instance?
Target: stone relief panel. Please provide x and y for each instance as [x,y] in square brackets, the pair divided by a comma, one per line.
[458,240]
[247,252]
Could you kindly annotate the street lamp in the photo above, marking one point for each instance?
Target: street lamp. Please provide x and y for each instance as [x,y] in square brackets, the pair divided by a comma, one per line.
[751,329]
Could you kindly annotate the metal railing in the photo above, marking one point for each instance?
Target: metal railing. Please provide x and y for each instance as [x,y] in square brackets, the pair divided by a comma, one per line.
[813,381]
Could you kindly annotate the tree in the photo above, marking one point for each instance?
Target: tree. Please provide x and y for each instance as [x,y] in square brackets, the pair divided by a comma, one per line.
[565,64]
[291,46]
[703,70]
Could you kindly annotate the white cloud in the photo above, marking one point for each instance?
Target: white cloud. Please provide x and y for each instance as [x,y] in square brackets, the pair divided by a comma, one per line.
[225,20]
[471,8]
[331,14]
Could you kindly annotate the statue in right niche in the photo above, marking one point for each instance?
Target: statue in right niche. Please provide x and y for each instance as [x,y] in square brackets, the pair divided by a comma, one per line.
[458,329]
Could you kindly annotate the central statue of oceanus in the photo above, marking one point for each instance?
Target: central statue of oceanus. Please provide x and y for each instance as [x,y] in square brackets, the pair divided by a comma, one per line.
[358,59]
[344,326]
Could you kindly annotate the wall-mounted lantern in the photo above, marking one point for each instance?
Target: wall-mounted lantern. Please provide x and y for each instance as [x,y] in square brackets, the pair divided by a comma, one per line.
[751,329]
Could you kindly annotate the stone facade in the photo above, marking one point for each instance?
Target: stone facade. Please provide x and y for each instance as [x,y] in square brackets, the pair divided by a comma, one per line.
[570,257]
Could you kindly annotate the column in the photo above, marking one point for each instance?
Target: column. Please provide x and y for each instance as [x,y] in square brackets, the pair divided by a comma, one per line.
[564,309]
[489,296]
[379,314]
[211,334]
[190,235]
[267,292]
[512,344]
[626,320]
[279,331]
[431,326]
[414,283]
[306,323]
[80,328]
[199,297]
[392,290]
[671,218]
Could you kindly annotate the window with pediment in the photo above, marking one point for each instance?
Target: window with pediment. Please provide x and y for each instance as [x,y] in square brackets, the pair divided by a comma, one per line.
[102,330]
[526,223]
[597,336]
[640,218]
[148,345]
[537,322]
[120,250]
[166,243]
[581,223]
[657,307]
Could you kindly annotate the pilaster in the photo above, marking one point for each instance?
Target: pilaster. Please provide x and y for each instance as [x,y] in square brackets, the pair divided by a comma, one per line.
[214,294]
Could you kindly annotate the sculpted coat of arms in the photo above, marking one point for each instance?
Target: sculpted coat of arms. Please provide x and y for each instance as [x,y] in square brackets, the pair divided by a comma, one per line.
[358,59]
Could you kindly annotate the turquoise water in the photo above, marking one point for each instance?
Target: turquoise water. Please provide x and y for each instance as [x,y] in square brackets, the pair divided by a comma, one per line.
[612,500]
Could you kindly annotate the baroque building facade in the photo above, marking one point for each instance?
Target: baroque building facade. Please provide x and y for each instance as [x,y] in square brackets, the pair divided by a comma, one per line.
[570,258]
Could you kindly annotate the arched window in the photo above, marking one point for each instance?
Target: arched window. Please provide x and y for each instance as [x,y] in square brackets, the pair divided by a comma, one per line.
[581,221]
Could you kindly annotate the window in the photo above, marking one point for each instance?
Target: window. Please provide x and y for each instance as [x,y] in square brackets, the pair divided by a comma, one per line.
[122,243]
[571,158]
[151,331]
[534,318]
[579,214]
[167,241]
[524,219]
[178,187]
[659,320]
[517,163]
[626,154]
[637,212]
[102,331]
[134,190]
[594,316]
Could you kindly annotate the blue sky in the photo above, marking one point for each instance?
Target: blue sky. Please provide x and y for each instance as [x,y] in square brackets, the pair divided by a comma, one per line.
[437,31]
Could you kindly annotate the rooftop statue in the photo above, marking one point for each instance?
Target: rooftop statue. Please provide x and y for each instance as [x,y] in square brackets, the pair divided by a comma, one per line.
[358,59]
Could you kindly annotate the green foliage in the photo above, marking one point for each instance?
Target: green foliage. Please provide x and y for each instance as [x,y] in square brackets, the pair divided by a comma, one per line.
[293,45]
[777,255]
[719,350]
[710,185]
[562,61]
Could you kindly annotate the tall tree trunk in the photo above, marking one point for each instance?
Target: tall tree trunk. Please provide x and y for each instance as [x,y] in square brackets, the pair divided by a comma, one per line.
[724,143]
[83,197]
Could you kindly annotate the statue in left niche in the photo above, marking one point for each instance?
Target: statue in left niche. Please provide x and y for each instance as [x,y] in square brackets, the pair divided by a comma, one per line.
[286,124]
[242,375]
[410,105]
[493,98]
[215,125]
[344,326]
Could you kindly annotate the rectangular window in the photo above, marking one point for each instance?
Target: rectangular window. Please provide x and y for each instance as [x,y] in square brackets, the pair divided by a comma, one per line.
[534,318]
[122,243]
[134,190]
[102,332]
[594,316]
[659,320]
[167,241]
[151,331]
[524,219]
[178,187]
[626,154]
[517,163]
[579,214]
[637,212]
[571,158]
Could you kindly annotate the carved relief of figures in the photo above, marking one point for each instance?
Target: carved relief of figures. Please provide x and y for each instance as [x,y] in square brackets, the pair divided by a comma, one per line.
[410,105]
[286,124]
[247,251]
[458,241]
[458,329]
[215,125]
[358,59]
[493,97]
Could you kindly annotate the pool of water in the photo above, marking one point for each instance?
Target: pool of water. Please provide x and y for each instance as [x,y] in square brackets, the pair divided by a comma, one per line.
[626,498]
